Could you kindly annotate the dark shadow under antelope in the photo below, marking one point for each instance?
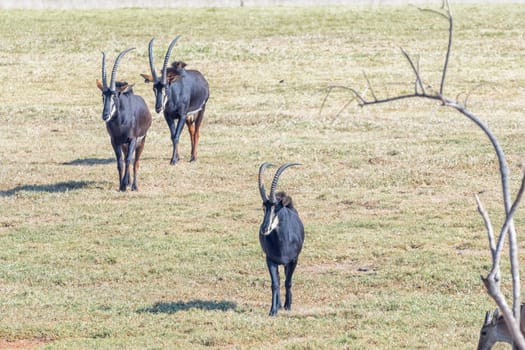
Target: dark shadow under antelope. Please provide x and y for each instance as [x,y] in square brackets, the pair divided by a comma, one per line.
[281,236]
[127,120]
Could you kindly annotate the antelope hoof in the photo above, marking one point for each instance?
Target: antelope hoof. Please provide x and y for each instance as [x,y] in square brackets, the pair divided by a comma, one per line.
[288,302]
[275,308]
[174,160]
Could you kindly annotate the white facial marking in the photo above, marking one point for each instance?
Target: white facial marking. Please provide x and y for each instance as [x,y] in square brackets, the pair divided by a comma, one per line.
[164,100]
[272,226]
[113,110]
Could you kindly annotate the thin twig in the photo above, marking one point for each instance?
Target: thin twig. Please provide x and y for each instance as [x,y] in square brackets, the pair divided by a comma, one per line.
[330,88]
[345,105]
[415,82]
[465,101]
[448,16]
[415,70]
[370,86]
[449,47]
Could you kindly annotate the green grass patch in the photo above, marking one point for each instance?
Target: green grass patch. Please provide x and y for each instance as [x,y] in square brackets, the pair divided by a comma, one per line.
[394,246]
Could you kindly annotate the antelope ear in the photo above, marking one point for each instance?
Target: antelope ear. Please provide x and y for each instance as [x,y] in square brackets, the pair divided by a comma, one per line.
[180,65]
[148,78]
[99,85]
[286,201]
[487,318]
[495,316]
[125,88]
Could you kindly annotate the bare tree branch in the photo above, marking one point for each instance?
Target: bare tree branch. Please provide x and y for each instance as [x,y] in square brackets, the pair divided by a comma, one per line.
[488,226]
[492,281]
[447,15]
[508,222]
[513,245]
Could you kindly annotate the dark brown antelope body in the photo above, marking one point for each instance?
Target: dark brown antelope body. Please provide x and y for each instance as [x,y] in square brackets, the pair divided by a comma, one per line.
[182,95]
[281,236]
[127,120]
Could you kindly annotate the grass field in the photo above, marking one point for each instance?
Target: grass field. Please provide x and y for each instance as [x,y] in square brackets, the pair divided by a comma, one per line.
[394,246]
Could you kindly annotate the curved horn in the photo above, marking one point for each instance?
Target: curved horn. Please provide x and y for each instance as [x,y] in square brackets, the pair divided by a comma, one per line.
[151,65]
[167,57]
[262,190]
[115,66]
[104,80]
[276,179]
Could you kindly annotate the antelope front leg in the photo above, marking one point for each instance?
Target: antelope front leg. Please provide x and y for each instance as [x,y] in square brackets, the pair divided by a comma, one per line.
[128,150]
[288,270]
[174,140]
[175,134]
[276,293]
[118,154]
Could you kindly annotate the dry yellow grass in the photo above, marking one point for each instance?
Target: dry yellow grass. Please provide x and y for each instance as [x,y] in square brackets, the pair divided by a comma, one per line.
[394,245]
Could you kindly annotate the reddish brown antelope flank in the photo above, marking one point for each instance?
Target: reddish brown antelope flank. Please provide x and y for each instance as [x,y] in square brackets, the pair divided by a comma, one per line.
[127,120]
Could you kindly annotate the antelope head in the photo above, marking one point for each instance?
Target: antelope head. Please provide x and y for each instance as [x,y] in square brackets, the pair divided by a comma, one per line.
[110,93]
[273,202]
[493,330]
[159,84]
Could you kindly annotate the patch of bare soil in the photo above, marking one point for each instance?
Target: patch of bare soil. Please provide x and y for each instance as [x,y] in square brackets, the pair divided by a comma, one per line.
[20,344]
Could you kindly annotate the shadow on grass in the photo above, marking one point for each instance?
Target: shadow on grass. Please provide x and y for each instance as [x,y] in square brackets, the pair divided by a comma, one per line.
[91,161]
[176,306]
[97,161]
[50,188]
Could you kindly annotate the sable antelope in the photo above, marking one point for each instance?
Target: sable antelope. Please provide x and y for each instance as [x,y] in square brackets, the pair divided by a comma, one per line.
[495,330]
[281,236]
[127,120]
[182,94]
